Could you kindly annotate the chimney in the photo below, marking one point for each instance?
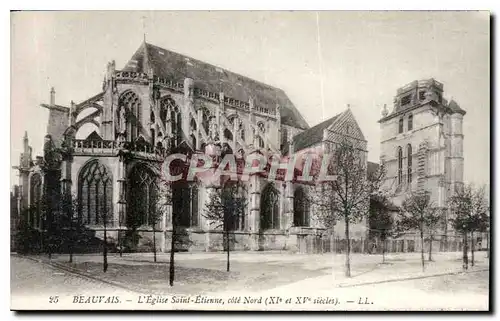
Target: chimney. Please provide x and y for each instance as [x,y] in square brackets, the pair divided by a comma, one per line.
[52,96]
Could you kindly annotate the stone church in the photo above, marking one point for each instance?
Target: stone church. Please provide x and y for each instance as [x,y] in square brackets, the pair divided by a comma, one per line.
[162,102]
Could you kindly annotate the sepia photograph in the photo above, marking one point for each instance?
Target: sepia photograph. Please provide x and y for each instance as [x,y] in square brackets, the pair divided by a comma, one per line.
[250,160]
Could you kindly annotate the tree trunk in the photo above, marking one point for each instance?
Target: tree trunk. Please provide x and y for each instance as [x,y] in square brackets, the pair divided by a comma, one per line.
[487,244]
[422,250]
[105,248]
[383,251]
[228,249]
[472,248]
[172,250]
[430,247]
[465,250]
[154,244]
[348,252]
[120,242]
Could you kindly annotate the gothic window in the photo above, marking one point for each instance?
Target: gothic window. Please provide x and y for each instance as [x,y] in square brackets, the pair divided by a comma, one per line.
[95,191]
[143,193]
[133,108]
[300,208]
[35,200]
[269,209]
[400,165]
[152,117]
[237,222]
[410,122]
[185,204]
[170,113]
[409,151]
[400,125]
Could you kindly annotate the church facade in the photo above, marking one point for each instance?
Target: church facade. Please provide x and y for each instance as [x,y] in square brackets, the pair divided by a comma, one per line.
[162,102]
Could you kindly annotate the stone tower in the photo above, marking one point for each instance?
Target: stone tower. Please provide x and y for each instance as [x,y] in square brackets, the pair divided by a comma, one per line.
[422,142]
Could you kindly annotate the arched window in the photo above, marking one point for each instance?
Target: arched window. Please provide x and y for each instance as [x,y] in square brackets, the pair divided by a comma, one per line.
[133,108]
[410,122]
[185,204]
[269,208]
[400,125]
[400,165]
[300,208]
[142,197]
[95,192]
[35,200]
[170,113]
[232,197]
[409,151]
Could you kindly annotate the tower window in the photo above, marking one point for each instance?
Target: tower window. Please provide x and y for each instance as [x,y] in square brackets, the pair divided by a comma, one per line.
[405,100]
[409,162]
[400,125]
[410,122]
[400,165]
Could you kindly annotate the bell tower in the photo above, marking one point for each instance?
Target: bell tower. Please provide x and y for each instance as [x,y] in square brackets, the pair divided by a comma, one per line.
[422,142]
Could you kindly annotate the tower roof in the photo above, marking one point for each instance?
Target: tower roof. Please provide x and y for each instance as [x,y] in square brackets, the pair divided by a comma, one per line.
[174,66]
[455,108]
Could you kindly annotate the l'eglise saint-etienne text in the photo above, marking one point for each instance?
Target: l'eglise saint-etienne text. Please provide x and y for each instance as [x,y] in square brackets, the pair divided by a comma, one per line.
[158,299]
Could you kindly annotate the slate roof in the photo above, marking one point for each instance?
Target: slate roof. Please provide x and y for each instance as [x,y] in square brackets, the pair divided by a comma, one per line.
[174,66]
[312,135]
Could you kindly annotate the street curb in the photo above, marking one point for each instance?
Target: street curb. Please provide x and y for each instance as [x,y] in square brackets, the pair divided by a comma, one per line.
[409,278]
[80,273]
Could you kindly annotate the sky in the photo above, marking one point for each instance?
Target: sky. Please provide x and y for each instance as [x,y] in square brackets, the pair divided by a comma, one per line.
[323,60]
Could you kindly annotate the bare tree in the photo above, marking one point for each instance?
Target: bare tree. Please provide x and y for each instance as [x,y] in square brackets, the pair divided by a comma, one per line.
[347,196]
[470,214]
[419,213]
[225,208]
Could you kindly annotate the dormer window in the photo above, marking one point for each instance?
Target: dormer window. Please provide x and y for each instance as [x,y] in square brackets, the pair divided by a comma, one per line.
[421,95]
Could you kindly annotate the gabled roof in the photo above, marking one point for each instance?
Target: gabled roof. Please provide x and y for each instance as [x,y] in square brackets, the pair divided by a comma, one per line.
[174,66]
[336,124]
[312,135]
